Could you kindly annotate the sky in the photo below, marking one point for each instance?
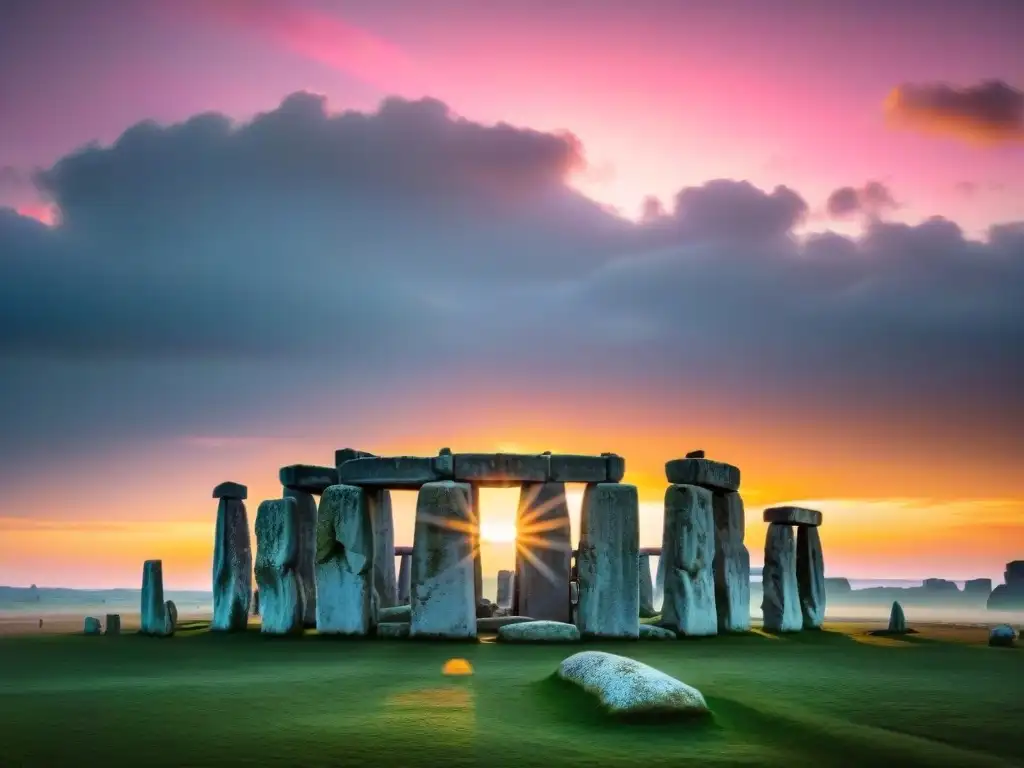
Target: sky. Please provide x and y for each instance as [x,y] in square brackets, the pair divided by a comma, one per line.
[239,235]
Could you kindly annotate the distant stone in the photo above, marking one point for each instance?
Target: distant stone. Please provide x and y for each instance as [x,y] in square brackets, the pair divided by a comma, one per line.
[393,472]
[1002,636]
[277,558]
[978,587]
[113,624]
[230,490]
[347,454]
[494,623]
[305,537]
[732,563]
[232,567]
[607,565]
[172,616]
[1006,597]
[705,473]
[838,585]
[628,687]
[792,516]
[539,632]
[154,618]
[543,556]
[653,632]
[695,455]
[397,613]
[688,553]
[897,620]
[393,629]
[501,470]
[571,468]
[485,609]
[505,587]
[941,585]
[616,467]
[780,603]
[443,591]
[403,586]
[646,588]
[378,502]
[308,478]
[92,625]
[810,576]
[344,563]
[1014,573]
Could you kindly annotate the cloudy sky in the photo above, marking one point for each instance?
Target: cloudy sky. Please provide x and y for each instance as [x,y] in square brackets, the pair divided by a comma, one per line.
[238,235]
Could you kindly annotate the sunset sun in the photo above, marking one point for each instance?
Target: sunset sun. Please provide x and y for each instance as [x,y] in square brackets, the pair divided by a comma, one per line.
[497,531]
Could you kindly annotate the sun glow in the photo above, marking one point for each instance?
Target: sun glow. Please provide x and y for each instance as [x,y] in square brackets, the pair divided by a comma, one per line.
[497,531]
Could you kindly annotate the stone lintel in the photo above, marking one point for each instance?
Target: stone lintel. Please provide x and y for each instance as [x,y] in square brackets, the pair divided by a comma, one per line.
[792,516]
[308,478]
[347,454]
[572,468]
[501,470]
[230,490]
[403,551]
[715,475]
[651,551]
[393,472]
[616,467]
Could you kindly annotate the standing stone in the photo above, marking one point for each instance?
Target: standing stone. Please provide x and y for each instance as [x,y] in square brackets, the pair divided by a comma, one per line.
[781,602]
[443,599]
[810,576]
[155,619]
[305,538]
[608,562]
[897,620]
[345,568]
[543,553]
[478,568]
[172,615]
[113,624]
[382,518]
[404,579]
[646,588]
[505,588]
[232,567]
[659,583]
[92,625]
[255,602]
[688,554]
[277,560]
[732,564]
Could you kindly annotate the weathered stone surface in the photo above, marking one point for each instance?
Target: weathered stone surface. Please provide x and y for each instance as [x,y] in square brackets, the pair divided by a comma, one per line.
[628,687]
[616,467]
[394,472]
[781,598]
[308,477]
[347,454]
[539,632]
[574,468]
[494,623]
[255,602]
[1006,597]
[501,470]
[443,599]
[113,624]
[277,560]
[652,632]
[403,551]
[543,553]
[379,503]
[505,587]
[92,625]
[345,563]
[232,567]
[1014,573]
[659,583]
[897,619]
[404,586]
[732,564]
[705,473]
[172,617]
[230,490]
[688,554]
[154,619]
[444,463]
[478,570]
[396,613]
[978,587]
[305,536]
[607,566]
[810,576]
[1002,636]
[646,588]
[393,629]
[792,516]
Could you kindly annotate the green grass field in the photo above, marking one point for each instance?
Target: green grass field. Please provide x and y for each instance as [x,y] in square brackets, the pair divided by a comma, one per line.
[829,698]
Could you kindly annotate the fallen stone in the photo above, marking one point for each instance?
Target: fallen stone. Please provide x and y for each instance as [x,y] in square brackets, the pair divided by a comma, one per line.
[705,473]
[1006,597]
[978,587]
[543,553]
[404,585]
[308,478]
[393,472]
[616,467]
[653,632]
[609,602]
[732,564]
[443,598]
[539,632]
[501,470]
[393,629]
[277,559]
[230,490]
[572,468]
[810,576]
[505,587]
[494,623]
[897,619]
[688,553]
[695,455]
[628,687]
[305,537]
[345,563]
[153,615]
[1002,636]
[780,603]
[396,613]
[348,454]
[378,502]
[92,625]
[113,624]
[232,567]
[646,588]
[792,516]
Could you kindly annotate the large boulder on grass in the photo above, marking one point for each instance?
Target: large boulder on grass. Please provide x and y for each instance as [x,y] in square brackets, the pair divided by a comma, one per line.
[628,687]
[539,632]
[654,632]
[1002,636]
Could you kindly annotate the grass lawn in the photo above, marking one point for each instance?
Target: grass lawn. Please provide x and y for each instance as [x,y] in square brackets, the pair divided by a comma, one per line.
[829,698]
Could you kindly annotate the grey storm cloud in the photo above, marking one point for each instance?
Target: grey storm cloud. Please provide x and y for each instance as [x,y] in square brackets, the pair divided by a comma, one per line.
[206,271]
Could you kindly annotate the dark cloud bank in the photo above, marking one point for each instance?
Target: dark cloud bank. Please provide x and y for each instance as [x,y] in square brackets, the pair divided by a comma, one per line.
[990,111]
[205,277]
